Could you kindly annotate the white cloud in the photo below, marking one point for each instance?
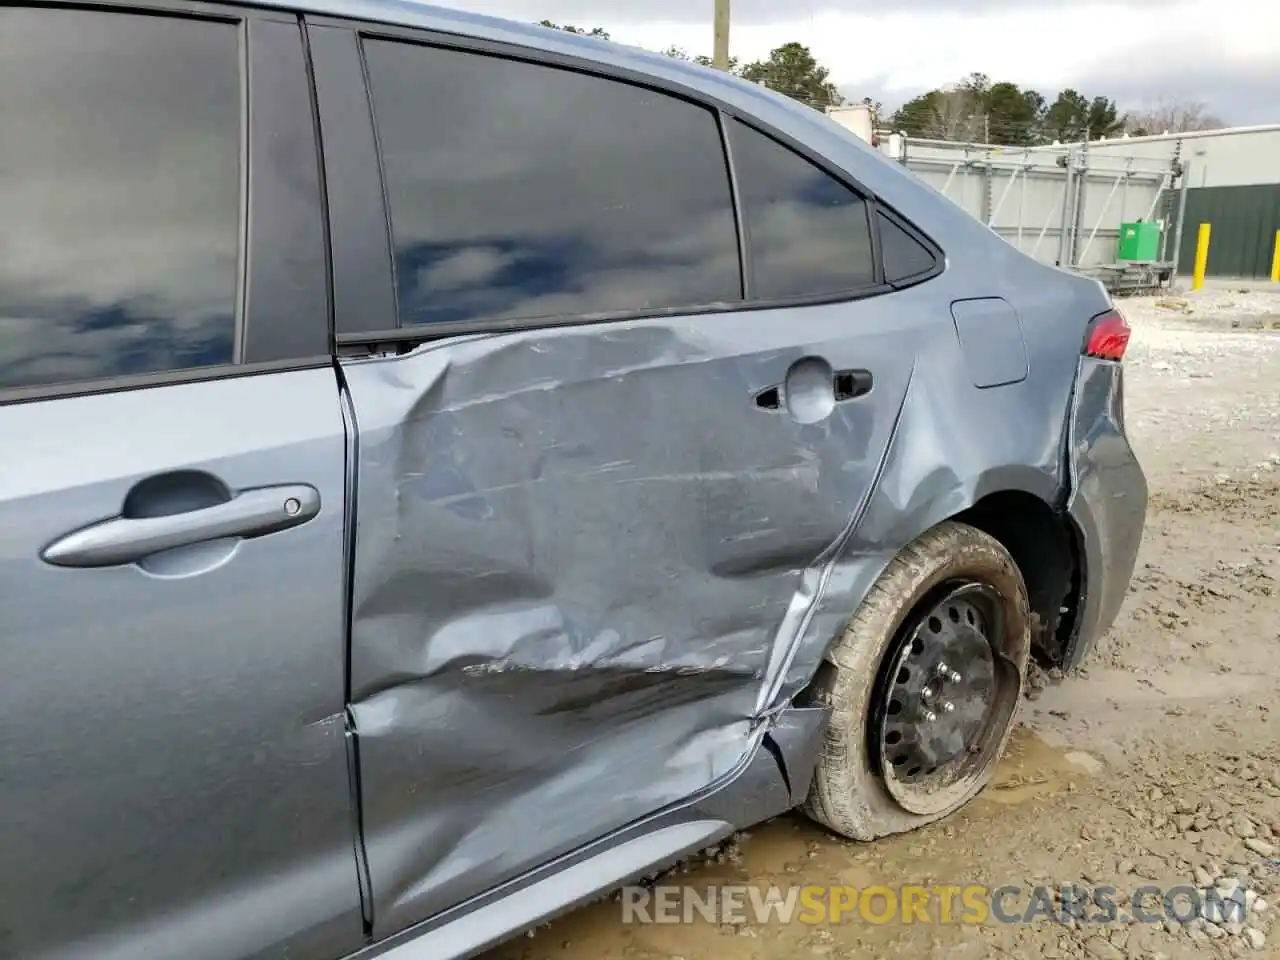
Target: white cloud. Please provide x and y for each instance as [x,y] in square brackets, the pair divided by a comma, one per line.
[897,50]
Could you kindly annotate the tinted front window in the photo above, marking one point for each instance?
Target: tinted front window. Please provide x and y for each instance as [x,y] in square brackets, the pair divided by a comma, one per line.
[519,190]
[119,194]
[809,232]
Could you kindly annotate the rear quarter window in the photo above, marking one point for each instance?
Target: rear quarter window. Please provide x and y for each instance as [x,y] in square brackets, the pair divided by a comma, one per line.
[905,257]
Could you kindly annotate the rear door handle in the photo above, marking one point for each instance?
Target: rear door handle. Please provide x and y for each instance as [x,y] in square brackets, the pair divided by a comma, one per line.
[845,385]
[124,540]
[851,384]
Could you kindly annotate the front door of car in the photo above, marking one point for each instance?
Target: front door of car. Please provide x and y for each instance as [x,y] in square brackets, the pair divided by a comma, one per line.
[579,544]
[173,754]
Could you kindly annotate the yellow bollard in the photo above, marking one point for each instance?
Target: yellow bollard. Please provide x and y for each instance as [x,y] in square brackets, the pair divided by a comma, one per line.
[1202,257]
[1275,260]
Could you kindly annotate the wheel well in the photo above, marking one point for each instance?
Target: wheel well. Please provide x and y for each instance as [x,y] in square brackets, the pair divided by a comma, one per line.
[1043,546]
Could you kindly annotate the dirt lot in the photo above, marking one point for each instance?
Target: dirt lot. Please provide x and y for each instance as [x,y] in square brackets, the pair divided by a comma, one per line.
[1159,763]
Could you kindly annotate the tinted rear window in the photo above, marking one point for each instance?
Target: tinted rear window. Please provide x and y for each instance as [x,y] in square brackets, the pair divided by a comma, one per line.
[525,191]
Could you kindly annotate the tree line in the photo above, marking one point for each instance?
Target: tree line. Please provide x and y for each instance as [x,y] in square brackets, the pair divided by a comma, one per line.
[976,109]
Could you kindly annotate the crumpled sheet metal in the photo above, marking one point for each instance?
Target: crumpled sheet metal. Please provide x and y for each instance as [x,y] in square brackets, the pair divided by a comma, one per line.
[1109,497]
[567,613]
[943,458]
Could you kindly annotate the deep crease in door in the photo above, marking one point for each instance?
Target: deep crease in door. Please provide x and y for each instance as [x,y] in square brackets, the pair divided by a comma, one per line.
[583,559]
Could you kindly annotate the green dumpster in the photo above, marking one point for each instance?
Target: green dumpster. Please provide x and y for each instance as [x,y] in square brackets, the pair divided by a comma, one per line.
[1139,242]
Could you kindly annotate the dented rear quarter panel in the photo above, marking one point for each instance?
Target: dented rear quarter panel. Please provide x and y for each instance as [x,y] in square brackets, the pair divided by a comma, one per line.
[1108,500]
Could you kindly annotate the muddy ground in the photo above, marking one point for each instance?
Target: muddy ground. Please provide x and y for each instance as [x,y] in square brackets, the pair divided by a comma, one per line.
[1158,763]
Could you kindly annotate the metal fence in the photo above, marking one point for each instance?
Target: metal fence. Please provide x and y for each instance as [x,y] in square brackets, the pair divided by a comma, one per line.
[1059,204]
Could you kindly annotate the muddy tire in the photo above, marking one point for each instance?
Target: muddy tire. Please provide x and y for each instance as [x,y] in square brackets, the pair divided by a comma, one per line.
[885,767]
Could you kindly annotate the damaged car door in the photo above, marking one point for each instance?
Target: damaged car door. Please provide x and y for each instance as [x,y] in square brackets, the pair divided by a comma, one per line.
[599,463]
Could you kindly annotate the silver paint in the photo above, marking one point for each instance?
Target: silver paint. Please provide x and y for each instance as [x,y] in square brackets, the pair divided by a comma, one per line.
[172,755]
[579,552]
[991,337]
[590,581]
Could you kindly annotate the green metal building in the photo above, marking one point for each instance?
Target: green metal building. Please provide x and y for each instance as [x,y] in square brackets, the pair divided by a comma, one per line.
[1244,220]
[1233,185]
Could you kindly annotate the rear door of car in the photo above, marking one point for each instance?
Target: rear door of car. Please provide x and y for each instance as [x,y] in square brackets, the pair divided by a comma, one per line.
[173,758]
[600,466]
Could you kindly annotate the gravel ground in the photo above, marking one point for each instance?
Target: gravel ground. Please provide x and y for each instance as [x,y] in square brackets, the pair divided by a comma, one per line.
[1157,763]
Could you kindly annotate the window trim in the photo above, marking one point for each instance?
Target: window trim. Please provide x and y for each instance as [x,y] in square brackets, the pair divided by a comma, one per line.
[315,346]
[241,334]
[746,266]
[12,396]
[357,222]
[349,336]
[288,303]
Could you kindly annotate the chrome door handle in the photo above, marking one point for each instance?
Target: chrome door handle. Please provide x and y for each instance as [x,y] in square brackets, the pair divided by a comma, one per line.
[124,540]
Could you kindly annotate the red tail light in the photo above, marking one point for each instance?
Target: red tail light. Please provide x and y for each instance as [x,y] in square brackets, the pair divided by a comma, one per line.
[1108,337]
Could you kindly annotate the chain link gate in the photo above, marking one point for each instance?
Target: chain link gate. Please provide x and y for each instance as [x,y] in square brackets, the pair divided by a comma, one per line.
[1061,204]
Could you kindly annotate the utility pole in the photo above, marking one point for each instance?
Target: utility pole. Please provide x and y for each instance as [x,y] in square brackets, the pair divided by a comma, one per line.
[720,55]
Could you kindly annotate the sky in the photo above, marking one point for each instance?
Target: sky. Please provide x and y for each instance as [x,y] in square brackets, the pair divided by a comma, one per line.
[1225,53]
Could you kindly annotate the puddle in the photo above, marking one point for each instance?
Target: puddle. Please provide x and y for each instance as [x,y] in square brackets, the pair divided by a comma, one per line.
[1037,764]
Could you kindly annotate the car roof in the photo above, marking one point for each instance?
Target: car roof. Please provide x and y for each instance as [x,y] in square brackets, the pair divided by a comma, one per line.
[409,13]
[607,53]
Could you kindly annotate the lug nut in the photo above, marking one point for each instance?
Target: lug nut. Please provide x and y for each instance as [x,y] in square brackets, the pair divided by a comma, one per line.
[927,693]
[943,670]
[954,677]
[948,706]
[930,716]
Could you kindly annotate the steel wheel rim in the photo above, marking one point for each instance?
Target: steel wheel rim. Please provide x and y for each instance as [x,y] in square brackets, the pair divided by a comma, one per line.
[945,698]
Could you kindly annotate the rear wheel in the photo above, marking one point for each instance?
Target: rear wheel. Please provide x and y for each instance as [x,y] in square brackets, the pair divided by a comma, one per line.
[923,686]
